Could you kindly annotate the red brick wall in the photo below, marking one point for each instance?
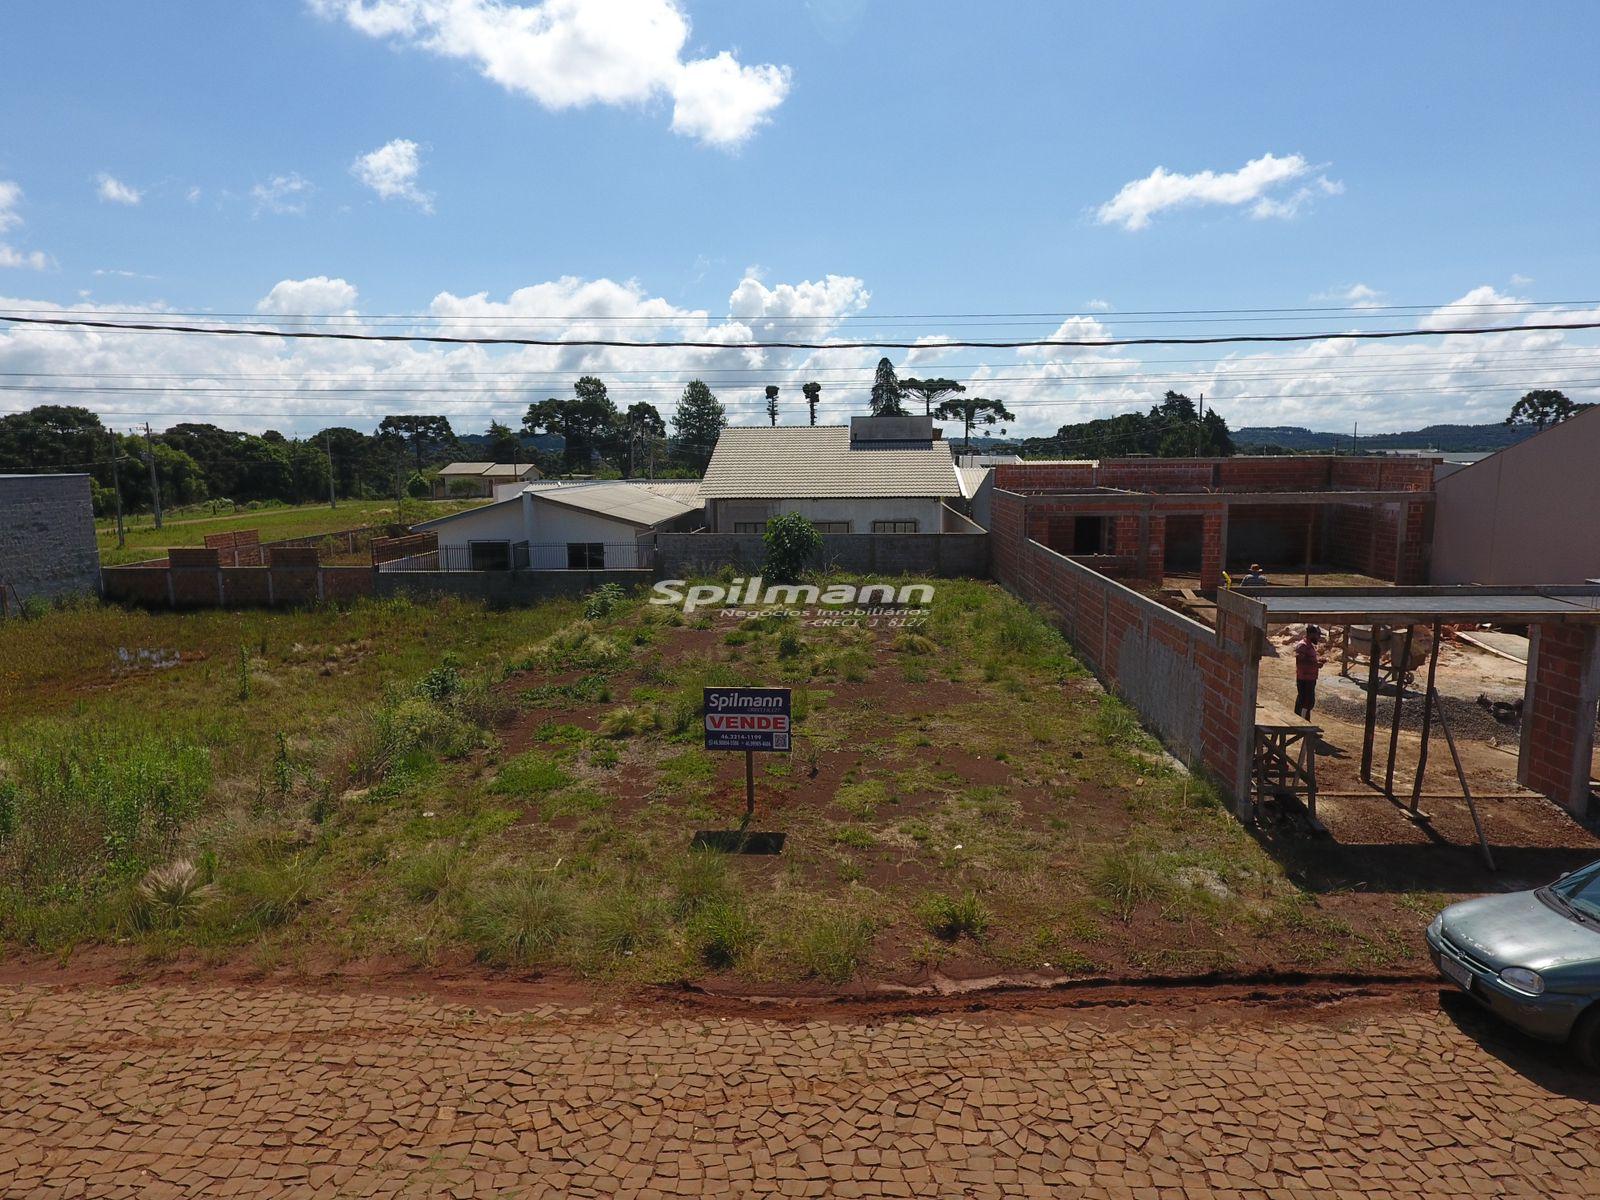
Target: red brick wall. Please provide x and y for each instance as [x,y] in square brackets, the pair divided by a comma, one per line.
[240,548]
[1558,715]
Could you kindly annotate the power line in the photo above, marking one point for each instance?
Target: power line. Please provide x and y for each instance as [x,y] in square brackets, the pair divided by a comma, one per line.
[692,315]
[624,344]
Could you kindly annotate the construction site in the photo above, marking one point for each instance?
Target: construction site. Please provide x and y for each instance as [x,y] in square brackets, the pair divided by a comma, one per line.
[1452,743]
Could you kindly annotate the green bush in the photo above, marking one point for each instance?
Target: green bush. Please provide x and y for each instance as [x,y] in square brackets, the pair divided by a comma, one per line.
[791,543]
[530,774]
[603,601]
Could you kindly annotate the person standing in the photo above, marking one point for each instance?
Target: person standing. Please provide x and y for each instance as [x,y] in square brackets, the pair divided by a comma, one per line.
[1255,578]
[1308,662]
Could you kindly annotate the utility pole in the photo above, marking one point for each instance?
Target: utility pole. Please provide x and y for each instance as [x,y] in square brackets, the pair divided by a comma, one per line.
[155,483]
[116,490]
[1355,428]
[1200,427]
[327,448]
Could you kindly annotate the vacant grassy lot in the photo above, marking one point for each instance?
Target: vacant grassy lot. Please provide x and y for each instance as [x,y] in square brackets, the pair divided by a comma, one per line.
[189,528]
[519,788]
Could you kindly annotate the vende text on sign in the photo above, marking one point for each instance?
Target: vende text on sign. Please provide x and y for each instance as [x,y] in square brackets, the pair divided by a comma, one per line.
[745,718]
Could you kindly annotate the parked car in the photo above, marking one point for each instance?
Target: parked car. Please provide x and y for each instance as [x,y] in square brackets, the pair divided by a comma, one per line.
[1532,958]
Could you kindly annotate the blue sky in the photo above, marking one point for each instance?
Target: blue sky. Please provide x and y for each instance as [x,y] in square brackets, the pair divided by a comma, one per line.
[823,160]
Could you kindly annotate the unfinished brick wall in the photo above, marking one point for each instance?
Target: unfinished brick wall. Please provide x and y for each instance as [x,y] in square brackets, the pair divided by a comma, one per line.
[239,548]
[1193,686]
[1558,713]
[198,578]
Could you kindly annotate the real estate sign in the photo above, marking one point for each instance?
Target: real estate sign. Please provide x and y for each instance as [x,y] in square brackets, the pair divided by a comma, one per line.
[746,718]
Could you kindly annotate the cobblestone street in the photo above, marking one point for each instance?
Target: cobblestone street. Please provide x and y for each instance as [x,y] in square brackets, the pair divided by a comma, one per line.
[171,1091]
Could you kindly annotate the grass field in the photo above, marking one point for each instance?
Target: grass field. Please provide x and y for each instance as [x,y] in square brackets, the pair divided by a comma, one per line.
[189,528]
[520,788]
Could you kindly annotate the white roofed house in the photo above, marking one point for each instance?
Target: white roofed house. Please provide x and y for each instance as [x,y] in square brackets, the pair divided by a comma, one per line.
[480,478]
[876,475]
[603,525]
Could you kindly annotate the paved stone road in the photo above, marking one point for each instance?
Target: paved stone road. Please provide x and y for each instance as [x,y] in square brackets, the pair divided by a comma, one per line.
[156,1092]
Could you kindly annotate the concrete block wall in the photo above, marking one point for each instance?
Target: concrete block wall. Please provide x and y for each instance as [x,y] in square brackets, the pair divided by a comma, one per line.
[1558,713]
[503,588]
[47,545]
[197,577]
[1293,473]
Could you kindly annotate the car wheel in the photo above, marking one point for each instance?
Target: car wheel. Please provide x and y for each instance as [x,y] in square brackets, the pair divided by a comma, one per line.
[1586,1037]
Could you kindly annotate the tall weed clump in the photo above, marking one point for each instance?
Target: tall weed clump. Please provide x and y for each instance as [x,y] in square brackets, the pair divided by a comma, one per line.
[76,805]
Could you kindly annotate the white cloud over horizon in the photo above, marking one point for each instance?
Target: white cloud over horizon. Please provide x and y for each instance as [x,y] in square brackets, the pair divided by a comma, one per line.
[573,53]
[113,191]
[1262,183]
[1323,385]
[391,170]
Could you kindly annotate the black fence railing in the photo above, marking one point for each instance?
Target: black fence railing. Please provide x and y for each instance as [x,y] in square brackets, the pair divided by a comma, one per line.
[525,556]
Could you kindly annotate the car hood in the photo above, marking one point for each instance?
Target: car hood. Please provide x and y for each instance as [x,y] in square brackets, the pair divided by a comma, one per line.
[1520,930]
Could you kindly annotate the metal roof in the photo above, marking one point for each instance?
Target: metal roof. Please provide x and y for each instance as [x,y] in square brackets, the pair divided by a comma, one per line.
[809,461]
[618,500]
[1413,605]
[972,479]
[465,468]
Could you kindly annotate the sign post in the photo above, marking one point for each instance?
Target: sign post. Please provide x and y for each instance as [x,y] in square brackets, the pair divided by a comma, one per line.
[753,720]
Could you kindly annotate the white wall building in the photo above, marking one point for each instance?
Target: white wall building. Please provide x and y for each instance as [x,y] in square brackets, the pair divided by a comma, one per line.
[877,475]
[602,525]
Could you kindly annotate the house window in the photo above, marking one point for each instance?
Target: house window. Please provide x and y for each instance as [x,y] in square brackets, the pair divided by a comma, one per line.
[897,526]
[586,556]
[490,556]
[749,526]
[832,526]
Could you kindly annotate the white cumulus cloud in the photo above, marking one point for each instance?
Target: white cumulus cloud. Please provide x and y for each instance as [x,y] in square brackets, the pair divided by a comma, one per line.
[571,53]
[1262,183]
[1357,295]
[113,191]
[317,295]
[391,170]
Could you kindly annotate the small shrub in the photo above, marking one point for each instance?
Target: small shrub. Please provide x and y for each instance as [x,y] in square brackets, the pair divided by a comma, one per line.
[791,543]
[440,684]
[722,933]
[1116,724]
[949,917]
[576,646]
[603,601]
[517,919]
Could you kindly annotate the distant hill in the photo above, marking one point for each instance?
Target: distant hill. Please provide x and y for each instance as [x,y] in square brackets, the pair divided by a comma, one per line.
[1458,438]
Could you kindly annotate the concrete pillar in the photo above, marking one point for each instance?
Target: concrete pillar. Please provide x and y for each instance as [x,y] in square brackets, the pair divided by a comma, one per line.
[1213,549]
[1558,713]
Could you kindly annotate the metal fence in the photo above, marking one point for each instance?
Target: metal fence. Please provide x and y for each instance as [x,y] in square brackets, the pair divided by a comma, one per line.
[525,556]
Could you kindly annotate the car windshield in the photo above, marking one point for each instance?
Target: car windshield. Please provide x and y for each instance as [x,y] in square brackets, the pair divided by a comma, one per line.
[1581,890]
